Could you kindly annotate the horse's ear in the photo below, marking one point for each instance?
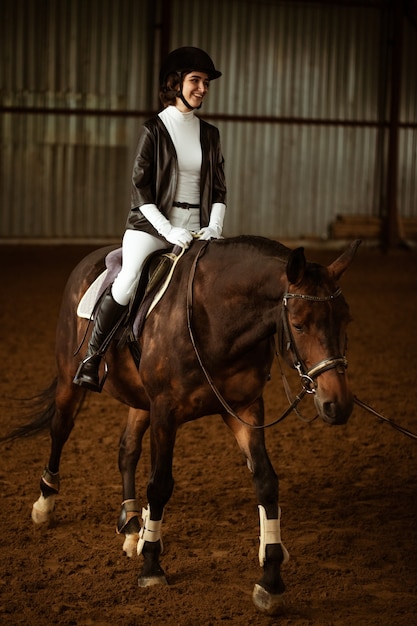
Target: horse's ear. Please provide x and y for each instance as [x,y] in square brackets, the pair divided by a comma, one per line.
[296,266]
[338,266]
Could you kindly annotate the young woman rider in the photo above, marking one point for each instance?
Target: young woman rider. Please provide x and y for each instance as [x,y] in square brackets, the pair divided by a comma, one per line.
[178,190]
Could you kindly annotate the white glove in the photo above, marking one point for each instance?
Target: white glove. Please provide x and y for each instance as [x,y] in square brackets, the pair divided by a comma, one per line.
[215,227]
[179,236]
[173,234]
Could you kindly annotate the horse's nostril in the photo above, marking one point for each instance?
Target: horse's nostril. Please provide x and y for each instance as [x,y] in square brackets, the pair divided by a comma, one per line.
[329,409]
[333,413]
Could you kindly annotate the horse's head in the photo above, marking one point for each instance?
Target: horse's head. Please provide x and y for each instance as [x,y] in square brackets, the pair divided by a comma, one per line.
[313,327]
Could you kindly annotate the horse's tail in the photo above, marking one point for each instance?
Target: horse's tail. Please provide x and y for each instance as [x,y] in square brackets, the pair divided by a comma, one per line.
[42,411]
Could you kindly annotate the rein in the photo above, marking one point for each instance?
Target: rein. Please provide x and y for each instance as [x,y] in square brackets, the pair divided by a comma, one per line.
[368,408]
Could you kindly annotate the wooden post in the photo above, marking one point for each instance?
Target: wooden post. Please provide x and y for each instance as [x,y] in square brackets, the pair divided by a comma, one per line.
[166,24]
[391,225]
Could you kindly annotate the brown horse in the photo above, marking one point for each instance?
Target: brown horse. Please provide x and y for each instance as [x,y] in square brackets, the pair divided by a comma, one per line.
[206,348]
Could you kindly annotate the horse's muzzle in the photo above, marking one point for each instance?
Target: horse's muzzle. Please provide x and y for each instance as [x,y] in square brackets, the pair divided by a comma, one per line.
[334,413]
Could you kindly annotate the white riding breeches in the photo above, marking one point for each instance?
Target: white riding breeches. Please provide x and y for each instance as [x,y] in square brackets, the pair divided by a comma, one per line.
[136,247]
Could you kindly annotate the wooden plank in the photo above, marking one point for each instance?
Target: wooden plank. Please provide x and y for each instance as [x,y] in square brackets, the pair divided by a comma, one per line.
[367,227]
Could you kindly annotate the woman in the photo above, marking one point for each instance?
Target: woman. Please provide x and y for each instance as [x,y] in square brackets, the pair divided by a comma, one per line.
[178,191]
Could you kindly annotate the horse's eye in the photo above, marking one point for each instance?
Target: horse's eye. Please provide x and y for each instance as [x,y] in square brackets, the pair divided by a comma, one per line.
[298,328]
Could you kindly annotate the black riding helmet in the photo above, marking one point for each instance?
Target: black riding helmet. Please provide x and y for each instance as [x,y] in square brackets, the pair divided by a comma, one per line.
[184,60]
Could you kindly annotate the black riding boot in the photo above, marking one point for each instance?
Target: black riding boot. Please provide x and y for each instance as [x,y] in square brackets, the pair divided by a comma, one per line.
[108,316]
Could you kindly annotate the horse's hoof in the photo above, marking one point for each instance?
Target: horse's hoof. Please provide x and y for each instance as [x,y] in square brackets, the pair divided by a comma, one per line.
[151,581]
[42,515]
[130,544]
[271,604]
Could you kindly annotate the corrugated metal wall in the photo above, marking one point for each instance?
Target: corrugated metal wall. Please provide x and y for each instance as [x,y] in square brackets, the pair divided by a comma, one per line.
[64,172]
[309,78]
[302,108]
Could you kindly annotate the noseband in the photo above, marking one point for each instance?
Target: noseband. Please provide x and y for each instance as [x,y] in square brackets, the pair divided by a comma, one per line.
[308,376]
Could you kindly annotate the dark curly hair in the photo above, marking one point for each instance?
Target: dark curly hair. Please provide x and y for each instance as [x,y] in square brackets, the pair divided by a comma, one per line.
[170,89]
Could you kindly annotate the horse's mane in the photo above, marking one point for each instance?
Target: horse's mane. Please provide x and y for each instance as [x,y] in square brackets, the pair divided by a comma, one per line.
[254,244]
[265,246]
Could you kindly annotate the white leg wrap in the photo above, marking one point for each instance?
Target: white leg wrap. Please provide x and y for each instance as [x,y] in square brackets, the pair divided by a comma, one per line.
[270,532]
[150,531]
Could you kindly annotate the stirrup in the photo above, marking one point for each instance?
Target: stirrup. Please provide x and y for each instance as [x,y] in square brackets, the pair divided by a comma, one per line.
[89,384]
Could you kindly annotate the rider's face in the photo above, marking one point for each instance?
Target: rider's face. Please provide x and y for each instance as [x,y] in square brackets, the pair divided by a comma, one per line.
[194,88]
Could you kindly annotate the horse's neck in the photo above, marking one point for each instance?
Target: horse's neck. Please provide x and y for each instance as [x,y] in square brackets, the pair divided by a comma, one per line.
[243,297]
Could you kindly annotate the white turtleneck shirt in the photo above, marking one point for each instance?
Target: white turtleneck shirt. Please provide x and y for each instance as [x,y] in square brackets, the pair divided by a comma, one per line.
[184,130]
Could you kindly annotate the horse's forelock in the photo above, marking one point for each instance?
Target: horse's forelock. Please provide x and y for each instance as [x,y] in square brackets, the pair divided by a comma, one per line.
[318,280]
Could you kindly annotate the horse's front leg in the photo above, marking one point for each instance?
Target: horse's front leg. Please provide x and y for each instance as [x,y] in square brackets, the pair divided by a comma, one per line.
[129,454]
[159,491]
[268,592]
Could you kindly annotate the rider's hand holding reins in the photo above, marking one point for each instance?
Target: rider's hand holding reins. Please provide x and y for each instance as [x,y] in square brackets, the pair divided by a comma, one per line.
[179,236]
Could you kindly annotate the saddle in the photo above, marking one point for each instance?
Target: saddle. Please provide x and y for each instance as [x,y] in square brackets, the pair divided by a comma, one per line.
[154,280]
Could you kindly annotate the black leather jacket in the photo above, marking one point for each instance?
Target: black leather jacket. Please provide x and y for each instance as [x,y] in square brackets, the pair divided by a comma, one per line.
[155,173]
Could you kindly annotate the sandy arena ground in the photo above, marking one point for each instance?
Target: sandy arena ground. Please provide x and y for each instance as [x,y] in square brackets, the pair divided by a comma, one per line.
[348,494]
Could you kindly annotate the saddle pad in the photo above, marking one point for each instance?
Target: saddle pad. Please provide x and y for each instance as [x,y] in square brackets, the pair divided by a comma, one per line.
[113,263]
[89,299]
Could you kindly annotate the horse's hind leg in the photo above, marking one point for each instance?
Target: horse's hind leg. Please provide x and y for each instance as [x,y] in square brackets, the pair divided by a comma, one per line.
[129,455]
[268,592]
[66,407]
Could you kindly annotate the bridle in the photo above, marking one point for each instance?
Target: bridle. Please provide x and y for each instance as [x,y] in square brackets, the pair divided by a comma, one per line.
[308,376]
